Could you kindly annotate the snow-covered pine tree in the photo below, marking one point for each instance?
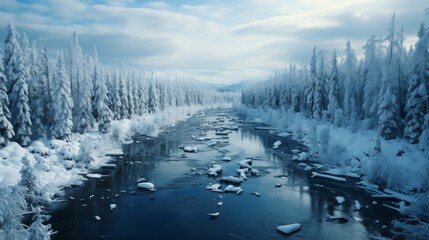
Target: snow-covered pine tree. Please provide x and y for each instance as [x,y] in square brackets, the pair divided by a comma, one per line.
[29,181]
[319,90]
[11,53]
[311,84]
[12,208]
[116,98]
[6,129]
[19,102]
[334,89]
[45,79]
[38,230]
[387,112]
[130,94]
[63,103]
[153,97]
[84,119]
[417,103]
[75,61]
[372,80]
[102,105]
[36,94]
[124,96]
[350,75]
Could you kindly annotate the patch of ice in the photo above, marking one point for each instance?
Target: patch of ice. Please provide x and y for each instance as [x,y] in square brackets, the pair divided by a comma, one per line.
[94,175]
[97,218]
[339,179]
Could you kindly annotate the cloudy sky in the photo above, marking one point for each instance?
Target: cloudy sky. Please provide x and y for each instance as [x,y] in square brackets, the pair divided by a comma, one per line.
[221,41]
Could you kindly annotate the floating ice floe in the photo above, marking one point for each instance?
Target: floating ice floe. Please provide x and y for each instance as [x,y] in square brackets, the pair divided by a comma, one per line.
[214,170]
[190,149]
[231,179]
[289,228]
[226,159]
[146,185]
[213,187]
[276,144]
[340,199]
[220,204]
[94,175]
[113,206]
[231,188]
[97,218]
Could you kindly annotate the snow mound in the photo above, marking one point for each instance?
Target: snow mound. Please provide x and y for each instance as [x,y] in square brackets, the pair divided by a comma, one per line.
[190,149]
[232,189]
[214,170]
[226,159]
[146,185]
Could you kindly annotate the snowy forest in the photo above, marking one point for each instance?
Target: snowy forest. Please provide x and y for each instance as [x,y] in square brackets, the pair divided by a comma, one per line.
[53,94]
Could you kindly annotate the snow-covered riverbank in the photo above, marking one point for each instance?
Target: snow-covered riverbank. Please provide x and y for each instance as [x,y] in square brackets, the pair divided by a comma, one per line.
[403,167]
[59,164]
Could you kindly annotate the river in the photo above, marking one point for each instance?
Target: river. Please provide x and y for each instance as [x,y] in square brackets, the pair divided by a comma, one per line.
[180,206]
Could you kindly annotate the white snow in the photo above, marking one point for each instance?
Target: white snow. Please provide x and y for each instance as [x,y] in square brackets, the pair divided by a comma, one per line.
[94,175]
[213,187]
[214,170]
[357,205]
[290,228]
[226,159]
[190,149]
[220,204]
[276,144]
[255,172]
[233,189]
[97,218]
[231,179]
[215,214]
[340,200]
[113,206]
[146,185]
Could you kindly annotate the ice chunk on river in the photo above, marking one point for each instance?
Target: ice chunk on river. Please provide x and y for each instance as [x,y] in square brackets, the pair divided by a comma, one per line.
[231,188]
[231,179]
[289,228]
[190,149]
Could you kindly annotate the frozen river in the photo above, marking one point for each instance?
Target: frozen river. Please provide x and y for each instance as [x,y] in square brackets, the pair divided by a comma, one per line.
[180,206]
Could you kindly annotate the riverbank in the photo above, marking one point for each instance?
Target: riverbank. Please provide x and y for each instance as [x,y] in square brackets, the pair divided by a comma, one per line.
[59,164]
[403,167]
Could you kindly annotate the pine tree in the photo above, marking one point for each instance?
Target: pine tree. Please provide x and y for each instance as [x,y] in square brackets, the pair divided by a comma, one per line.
[38,230]
[84,119]
[102,105]
[6,129]
[372,80]
[29,181]
[63,103]
[349,84]
[416,106]
[12,208]
[124,97]
[387,113]
[116,97]
[21,119]
[334,89]
[153,98]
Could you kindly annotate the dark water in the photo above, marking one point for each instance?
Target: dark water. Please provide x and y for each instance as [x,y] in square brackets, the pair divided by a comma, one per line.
[180,207]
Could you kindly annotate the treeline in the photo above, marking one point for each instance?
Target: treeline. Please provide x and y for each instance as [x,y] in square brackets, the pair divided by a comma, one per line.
[386,90]
[53,93]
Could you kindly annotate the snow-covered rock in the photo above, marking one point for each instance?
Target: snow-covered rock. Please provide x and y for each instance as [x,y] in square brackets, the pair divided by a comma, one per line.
[301,157]
[190,149]
[146,186]
[254,172]
[289,228]
[357,205]
[214,170]
[220,204]
[246,163]
[94,175]
[213,187]
[231,179]
[233,189]
[226,159]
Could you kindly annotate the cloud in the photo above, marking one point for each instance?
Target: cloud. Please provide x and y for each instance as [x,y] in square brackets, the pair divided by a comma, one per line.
[222,41]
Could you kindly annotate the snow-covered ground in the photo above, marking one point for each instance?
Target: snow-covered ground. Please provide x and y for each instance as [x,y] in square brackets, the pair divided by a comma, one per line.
[58,163]
[403,167]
